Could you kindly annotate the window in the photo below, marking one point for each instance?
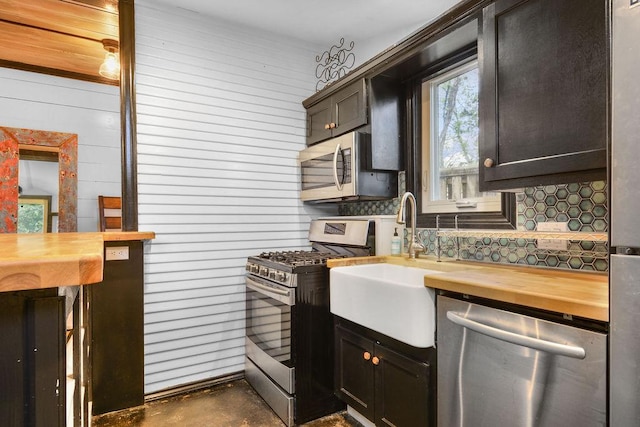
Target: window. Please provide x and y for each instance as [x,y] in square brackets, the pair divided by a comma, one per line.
[449,119]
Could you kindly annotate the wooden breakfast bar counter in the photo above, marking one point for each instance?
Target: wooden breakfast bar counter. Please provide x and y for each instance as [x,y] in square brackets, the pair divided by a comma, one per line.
[30,261]
[47,327]
[39,261]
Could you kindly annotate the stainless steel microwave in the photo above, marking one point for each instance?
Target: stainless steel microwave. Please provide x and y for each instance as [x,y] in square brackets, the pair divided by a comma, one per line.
[336,170]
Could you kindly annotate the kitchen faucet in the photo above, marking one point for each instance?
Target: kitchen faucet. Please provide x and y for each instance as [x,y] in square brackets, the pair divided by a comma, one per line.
[415,247]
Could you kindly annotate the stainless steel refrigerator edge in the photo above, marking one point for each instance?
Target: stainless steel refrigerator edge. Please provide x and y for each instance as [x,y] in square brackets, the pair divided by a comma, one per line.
[624,284]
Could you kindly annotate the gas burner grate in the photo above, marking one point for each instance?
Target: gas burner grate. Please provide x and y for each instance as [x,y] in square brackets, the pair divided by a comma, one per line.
[297,258]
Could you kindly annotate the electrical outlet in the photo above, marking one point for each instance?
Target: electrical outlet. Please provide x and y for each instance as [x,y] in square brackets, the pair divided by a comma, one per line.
[553,244]
[117,253]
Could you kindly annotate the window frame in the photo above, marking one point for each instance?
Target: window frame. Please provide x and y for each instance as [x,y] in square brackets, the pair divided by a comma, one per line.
[487,203]
[506,217]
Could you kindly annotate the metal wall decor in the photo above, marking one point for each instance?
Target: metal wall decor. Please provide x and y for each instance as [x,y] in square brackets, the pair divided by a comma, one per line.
[334,63]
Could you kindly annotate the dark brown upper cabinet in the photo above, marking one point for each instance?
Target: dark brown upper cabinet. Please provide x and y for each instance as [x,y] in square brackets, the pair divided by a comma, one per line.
[543,92]
[343,111]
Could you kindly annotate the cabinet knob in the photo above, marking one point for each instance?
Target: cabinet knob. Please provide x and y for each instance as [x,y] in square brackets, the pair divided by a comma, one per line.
[375,360]
[366,355]
[488,163]
[327,126]
[333,125]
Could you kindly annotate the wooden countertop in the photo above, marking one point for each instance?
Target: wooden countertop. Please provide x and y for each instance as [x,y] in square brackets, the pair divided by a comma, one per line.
[38,261]
[122,236]
[583,294]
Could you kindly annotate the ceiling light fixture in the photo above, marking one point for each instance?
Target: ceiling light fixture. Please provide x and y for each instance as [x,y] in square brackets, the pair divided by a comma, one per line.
[110,6]
[110,67]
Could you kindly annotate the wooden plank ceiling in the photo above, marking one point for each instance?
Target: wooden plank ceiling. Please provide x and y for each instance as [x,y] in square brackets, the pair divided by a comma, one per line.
[60,37]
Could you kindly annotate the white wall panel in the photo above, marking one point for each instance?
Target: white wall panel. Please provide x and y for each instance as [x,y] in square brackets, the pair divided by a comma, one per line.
[91,110]
[220,124]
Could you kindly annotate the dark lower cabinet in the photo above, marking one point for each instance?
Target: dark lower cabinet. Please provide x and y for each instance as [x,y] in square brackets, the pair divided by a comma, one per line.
[354,371]
[401,389]
[32,360]
[378,379]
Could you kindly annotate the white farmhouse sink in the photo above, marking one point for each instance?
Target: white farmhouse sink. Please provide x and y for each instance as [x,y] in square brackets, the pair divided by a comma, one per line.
[387,298]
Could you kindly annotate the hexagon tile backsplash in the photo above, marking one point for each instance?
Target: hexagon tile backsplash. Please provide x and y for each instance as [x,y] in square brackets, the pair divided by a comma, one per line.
[583,206]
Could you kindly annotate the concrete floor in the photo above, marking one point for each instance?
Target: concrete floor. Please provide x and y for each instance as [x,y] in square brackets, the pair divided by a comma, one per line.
[234,404]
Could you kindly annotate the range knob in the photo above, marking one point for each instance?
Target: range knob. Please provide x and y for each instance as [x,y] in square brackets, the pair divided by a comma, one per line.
[255,268]
[281,276]
[264,271]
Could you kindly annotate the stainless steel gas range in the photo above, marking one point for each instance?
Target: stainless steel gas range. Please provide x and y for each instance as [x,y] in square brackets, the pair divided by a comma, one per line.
[289,333]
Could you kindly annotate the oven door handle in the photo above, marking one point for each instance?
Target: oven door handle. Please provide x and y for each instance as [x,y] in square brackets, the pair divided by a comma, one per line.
[281,295]
[335,168]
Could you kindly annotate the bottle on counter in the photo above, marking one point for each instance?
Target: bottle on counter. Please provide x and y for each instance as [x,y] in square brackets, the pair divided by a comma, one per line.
[396,243]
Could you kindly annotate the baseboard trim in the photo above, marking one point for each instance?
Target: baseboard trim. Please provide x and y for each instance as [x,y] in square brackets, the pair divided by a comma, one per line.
[359,417]
[191,387]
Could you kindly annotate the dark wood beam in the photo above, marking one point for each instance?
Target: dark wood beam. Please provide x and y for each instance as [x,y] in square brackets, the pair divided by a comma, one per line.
[128,116]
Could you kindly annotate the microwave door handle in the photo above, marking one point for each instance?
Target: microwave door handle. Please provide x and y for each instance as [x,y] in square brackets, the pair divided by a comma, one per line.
[525,341]
[335,168]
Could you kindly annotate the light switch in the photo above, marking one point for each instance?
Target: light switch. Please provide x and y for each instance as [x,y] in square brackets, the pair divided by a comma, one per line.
[117,253]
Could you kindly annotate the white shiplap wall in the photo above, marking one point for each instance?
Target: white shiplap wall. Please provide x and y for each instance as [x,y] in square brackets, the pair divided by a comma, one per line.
[220,123]
[91,110]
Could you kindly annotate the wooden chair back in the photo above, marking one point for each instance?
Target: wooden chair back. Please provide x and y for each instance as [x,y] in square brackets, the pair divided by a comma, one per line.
[110,210]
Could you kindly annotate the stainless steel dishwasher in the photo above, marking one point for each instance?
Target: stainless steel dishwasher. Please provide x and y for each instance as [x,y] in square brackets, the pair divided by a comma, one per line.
[499,368]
